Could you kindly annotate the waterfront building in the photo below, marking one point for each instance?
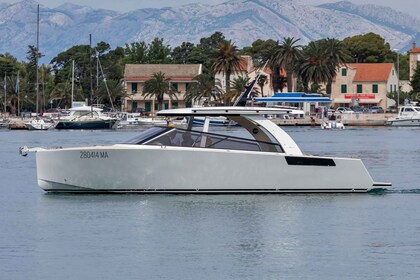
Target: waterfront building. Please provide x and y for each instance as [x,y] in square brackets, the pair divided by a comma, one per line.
[179,75]
[365,84]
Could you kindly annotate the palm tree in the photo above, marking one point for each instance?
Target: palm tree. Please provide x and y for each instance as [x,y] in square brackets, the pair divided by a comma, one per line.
[227,60]
[203,88]
[261,82]
[238,86]
[286,56]
[110,90]
[313,67]
[337,54]
[157,87]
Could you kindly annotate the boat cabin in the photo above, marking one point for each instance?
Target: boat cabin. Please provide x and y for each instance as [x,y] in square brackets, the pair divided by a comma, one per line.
[267,136]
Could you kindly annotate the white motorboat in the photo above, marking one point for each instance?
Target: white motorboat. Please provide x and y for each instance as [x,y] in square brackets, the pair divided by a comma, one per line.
[332,124]
[408,115]
[153,121]
[174,160]
[129,119]
[40,124]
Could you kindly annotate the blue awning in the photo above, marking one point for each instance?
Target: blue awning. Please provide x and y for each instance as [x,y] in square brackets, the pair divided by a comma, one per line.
[294,99]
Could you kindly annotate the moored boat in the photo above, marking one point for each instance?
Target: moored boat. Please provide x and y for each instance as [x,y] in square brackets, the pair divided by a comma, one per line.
[408,115]
[86,117]
[40,124]
[174,160]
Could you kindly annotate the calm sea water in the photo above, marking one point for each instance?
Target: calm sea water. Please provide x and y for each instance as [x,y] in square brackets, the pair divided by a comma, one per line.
[356,236]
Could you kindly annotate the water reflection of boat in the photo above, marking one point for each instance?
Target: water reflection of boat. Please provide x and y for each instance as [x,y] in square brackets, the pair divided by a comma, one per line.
[86,117]
[408,115]
[174,160]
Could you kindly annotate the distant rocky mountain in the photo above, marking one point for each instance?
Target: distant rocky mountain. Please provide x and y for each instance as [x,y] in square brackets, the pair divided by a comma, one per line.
[243,21]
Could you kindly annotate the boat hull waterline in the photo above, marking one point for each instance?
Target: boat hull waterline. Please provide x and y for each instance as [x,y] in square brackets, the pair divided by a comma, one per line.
[123,168]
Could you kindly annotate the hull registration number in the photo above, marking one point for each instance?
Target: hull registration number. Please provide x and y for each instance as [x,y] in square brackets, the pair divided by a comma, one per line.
[93,155]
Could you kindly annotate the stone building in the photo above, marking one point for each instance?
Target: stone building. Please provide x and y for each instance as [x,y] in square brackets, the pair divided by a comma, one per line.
[179,75]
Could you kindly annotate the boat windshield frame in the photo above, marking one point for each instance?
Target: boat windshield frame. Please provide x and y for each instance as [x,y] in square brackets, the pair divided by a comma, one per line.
[178,137]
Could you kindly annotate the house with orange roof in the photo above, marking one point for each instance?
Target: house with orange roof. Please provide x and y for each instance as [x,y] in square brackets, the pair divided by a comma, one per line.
[366,84]
[180,76]
[414,54]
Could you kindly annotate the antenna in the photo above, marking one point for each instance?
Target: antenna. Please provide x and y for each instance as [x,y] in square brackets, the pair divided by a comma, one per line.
[241,100]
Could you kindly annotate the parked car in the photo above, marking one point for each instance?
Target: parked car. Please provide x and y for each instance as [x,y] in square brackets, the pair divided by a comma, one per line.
[359,109]
[344,110]
[376,109]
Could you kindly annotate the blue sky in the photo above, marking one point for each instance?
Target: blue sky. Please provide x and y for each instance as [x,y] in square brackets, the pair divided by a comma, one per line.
[410,6]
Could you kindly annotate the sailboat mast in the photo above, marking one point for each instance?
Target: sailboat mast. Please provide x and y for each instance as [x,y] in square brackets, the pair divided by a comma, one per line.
[90,72]
[18,93]
[72,83]
[37,59]
[5,97]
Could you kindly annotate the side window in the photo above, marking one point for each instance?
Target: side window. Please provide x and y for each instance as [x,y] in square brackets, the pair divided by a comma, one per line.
[374,88]
[343,72]
[359,88]
[134,87]
[343,88]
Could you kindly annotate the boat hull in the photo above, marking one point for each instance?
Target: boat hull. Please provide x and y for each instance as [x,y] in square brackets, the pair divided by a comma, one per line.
[404,122]
[90,124]
[161,169]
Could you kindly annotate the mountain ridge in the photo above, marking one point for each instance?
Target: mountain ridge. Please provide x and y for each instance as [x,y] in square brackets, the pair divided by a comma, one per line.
[243,21]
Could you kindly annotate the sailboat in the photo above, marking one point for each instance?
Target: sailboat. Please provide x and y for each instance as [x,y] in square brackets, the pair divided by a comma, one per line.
[85,117]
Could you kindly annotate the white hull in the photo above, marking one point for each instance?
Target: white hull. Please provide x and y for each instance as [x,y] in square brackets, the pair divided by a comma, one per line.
[404,122]
[160,169]
[40,125]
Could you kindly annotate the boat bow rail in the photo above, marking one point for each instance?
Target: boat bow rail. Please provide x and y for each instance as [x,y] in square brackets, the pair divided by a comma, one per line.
[23,151]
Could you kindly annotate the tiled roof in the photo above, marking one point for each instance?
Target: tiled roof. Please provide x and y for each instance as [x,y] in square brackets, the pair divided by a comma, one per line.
[173,71]
[370,72]
[415,50]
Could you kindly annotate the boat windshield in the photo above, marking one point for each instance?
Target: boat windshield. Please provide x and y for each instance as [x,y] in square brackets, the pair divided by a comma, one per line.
[170,136]
[148,134]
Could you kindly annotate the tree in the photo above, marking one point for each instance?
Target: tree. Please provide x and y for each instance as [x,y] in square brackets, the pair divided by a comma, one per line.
[262,80]
[227,60]
[336,55]
[182,54]
[62,68]
[110,90]
[286,56]
[238,86]
[203,88]
[260,51]
[158,52]
[157,87]
[204,52]
[32,66]
[136,52]
[313,67]
[368,48]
